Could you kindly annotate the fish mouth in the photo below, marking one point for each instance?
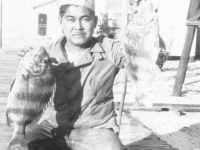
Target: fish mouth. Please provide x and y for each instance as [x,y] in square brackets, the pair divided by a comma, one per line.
[36,69]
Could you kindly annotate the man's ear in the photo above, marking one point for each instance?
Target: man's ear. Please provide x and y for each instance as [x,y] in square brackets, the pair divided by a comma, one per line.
[96,21]
[60,20]
[60,23]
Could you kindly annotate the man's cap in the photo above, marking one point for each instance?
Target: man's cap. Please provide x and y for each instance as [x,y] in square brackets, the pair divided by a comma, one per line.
[90,4]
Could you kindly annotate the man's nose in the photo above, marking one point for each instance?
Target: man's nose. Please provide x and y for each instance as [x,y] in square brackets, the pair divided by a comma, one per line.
[78,25]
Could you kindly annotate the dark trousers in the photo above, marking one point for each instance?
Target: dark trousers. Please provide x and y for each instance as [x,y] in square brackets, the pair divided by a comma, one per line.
[45,137]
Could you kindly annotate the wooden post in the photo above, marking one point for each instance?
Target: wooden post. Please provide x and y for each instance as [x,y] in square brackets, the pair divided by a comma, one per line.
[193,8]
[1,23]
[122,101]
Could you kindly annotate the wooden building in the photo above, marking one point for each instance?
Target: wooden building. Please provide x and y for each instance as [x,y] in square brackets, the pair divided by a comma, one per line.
[46,18]
[197,52]
[38,19]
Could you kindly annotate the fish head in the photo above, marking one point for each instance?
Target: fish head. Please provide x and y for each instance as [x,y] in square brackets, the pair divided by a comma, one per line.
[142,13]
[37,61]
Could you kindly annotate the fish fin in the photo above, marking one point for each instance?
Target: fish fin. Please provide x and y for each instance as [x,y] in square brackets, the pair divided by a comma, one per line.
[8,121]
[35,121]
[12,83]
[25,73]
[18,142]
[51,101]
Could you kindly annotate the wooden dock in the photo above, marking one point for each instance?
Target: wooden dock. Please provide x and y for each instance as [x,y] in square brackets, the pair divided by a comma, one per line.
[133,134]
[8,63]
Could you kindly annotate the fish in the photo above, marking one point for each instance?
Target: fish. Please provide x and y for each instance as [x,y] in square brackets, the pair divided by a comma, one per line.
[31,91]
[141,38]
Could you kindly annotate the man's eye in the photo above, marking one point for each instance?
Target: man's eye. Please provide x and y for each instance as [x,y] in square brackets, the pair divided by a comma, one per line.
[70,19]
[86,19]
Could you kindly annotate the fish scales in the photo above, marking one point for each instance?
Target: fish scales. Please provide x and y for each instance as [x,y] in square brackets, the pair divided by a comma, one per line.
[142,45]
[30,93]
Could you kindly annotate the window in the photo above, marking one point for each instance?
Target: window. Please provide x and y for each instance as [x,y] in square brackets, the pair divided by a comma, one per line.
[42,24]
[114,5]
[117,11]
[117,19]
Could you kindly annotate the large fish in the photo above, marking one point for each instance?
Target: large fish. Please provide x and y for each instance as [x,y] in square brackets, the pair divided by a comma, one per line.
[142,45]
[30,93]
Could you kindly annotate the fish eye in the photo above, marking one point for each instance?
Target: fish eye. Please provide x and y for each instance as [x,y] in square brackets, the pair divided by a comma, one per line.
[135,12]
[46,60]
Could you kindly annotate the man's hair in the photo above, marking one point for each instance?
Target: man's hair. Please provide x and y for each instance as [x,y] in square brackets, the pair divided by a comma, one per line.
[63,8]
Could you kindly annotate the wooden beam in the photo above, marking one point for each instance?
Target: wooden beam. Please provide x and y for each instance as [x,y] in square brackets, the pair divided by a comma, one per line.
[196,16]
[122,101]
[165,105]
[1,23]
[193,23]
[193,8]
[44,4]
[164,109]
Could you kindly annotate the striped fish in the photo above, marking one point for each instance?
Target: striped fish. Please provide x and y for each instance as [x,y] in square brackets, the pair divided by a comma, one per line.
[30,93]
[142,45]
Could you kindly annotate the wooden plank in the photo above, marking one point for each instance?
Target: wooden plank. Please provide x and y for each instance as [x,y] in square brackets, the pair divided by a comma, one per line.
[131,130]
[194,7]
[151,142]
[3,93]
[196,16]
[198,43]
[9,58]
[158,109]
[9,52]
[3,99]
[192,23]
[1,23]
[8,70]
[9,64]
[176,105]
[122,100]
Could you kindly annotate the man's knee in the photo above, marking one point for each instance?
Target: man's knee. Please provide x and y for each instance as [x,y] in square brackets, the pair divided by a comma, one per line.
[98,139]
[38,132]
[112,141]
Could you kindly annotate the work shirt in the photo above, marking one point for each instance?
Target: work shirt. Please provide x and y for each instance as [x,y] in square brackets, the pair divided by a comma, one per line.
[84,88]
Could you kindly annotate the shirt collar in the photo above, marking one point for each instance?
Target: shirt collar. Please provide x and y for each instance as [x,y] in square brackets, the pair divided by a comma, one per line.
[96,47]
[96,51]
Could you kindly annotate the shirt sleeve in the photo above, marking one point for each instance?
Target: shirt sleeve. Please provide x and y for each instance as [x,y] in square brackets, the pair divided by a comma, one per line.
[116,52]
[121,56]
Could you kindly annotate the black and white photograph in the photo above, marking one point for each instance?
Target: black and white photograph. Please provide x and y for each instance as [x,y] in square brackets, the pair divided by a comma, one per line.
[99,74]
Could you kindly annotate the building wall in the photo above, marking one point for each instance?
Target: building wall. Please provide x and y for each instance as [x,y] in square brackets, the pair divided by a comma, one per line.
[18,24]
[53,27]
[17,18]
[118,11]
[20,21]
[172,16]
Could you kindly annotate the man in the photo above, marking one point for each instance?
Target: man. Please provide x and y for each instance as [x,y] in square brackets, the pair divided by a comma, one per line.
[82,116]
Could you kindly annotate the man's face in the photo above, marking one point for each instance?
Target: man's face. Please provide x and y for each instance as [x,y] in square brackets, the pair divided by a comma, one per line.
[78,25]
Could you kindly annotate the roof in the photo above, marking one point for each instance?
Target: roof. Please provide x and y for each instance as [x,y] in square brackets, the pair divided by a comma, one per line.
[44,4]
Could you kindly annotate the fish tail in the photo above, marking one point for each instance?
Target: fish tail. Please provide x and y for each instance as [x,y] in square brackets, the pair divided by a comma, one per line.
[18,142]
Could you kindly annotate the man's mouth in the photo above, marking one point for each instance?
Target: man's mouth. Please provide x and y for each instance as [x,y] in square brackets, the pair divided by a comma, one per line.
[79,35]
